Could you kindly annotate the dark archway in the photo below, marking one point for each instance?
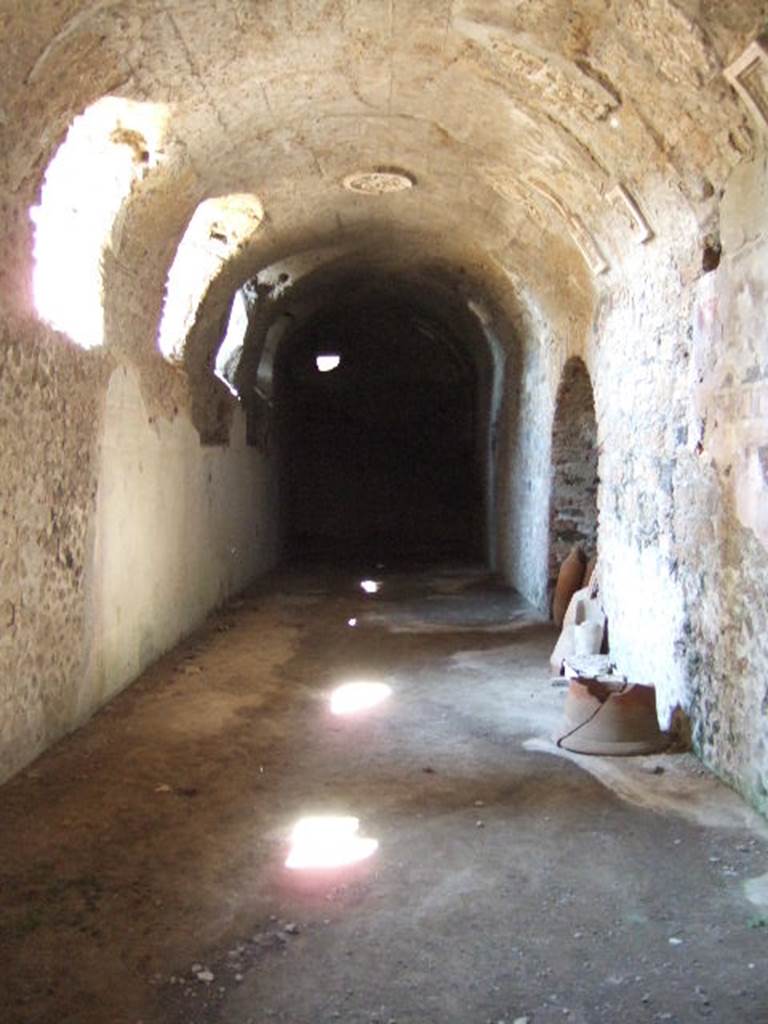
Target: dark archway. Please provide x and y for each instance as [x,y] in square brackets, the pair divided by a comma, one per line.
[573,503]
[380,455]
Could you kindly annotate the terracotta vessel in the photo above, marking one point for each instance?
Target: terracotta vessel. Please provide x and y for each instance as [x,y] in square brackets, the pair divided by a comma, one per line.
[568,582]
[613,718]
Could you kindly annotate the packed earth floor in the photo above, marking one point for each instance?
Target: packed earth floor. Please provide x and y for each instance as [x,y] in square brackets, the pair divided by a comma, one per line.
[143,859]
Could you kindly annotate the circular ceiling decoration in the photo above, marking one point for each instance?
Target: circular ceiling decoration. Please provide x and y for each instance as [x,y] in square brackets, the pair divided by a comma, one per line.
[379,182]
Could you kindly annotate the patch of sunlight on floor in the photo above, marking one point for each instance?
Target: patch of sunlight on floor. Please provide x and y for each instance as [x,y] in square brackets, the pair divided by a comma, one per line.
[328,842]
[349,698]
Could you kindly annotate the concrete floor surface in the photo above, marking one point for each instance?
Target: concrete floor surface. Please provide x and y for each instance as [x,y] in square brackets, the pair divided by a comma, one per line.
[142,860]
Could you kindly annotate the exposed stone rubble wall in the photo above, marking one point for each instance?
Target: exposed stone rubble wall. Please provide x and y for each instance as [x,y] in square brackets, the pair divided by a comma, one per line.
[679,359]
[727,587]
[49,397]
[118,533]
[573,501]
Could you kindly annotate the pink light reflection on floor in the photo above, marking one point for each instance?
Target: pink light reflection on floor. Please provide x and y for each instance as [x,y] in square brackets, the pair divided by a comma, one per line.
[328,842]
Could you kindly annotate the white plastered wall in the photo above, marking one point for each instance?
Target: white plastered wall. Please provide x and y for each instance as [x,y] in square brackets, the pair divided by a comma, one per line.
[178,528]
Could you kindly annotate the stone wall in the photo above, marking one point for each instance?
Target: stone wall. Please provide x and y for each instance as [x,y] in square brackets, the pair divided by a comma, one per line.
[726,590]
[525,461]
[118,533]
[49,397]
[573,501]
[679,360]
[178,529]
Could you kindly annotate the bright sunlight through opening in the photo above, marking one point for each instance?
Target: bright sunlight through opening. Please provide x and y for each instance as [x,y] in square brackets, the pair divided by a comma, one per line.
[327,363]
[233,339]
[108,148]
[218,230]
[352,697]
[328,842]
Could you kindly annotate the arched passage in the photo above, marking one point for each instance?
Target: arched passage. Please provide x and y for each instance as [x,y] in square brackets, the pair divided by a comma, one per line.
[573,503]
[381,446]
[574,161]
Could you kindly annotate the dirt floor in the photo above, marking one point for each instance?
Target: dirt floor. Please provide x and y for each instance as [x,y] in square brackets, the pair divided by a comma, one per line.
[142,860]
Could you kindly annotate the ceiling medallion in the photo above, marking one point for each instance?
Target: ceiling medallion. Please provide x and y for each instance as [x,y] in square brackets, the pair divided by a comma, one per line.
[379,182]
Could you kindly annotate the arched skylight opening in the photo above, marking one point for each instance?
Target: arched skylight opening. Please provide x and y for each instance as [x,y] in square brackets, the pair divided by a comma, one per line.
[218,228]
[232,342]
[107,149]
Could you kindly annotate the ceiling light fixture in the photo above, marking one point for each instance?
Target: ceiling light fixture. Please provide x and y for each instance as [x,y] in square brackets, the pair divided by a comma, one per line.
[327,363]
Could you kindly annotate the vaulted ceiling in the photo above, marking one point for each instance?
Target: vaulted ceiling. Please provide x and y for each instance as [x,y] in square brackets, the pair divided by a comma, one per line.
[540,139]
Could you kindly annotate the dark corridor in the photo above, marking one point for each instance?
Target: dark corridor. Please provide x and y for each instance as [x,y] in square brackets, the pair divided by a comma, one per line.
[380,455]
